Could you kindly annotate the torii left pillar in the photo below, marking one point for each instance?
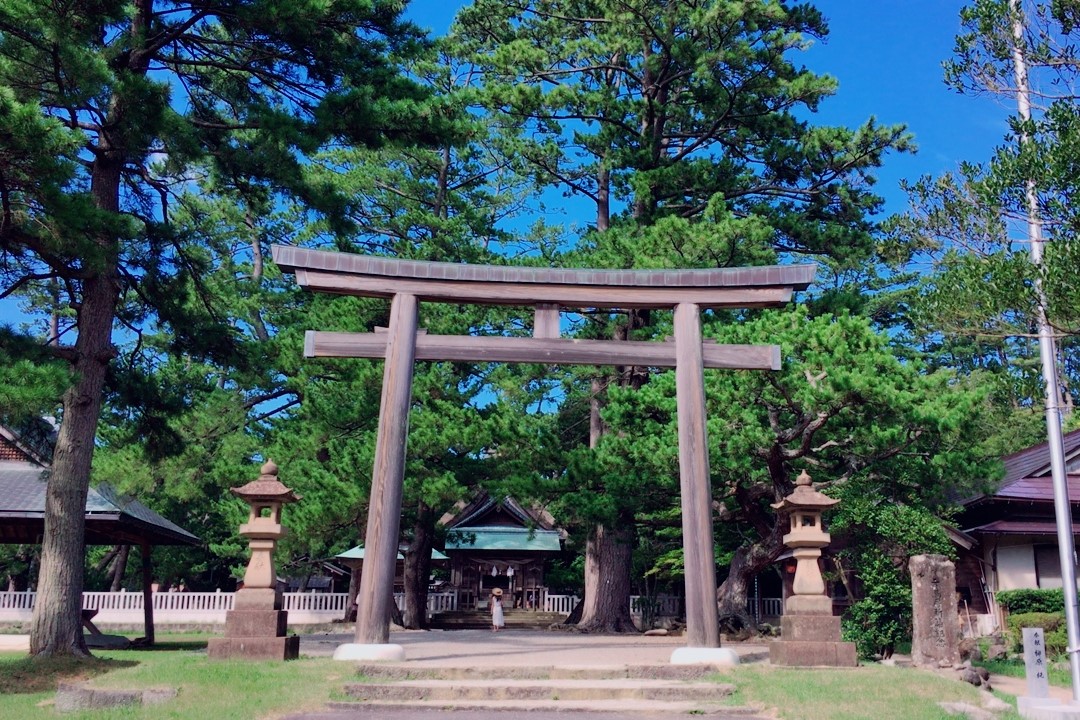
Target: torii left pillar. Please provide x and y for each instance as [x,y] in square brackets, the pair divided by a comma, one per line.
[376,593]
[702,627]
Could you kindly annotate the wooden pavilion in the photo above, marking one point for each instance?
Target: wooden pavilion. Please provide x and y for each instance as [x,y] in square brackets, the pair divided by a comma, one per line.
[1009,535]
[111,518]
[500,544]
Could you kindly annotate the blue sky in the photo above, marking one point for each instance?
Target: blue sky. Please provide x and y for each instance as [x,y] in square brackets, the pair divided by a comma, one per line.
[886,55]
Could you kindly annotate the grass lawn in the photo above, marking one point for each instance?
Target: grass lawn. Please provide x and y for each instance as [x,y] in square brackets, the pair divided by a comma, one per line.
[870,691]
[219,690]
[227,690]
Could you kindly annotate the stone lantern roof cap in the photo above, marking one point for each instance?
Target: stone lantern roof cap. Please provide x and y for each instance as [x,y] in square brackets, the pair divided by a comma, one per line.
[267,487]
[805,496]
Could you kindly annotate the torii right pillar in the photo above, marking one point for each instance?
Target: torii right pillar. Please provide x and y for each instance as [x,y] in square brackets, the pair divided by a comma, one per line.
[702,625]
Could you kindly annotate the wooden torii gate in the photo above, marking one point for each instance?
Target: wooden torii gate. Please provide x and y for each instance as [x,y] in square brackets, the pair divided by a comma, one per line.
[407,282]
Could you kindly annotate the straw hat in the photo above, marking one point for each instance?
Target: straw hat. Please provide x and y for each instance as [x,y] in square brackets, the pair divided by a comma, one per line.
[497,592]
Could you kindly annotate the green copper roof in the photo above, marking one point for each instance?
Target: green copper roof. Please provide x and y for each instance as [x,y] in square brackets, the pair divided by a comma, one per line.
[503,538]
[357,553]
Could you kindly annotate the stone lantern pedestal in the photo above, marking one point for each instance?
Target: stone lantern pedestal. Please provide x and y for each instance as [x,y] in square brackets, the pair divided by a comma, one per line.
[255,628]
[809,632]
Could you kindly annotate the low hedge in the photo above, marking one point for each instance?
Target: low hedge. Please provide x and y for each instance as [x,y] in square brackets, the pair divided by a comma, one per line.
[1032,601]
[1052,623]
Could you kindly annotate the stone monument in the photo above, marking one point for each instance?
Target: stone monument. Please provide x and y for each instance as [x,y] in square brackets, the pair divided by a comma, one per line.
[935,637]
[255,628]
[809,632]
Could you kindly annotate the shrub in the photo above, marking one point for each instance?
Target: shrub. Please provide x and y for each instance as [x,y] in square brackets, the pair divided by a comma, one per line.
[883,618]
[1052,623]
[1032,601]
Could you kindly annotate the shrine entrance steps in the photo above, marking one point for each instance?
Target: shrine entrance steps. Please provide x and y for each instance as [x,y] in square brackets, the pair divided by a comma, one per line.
[516,619]
[621,690]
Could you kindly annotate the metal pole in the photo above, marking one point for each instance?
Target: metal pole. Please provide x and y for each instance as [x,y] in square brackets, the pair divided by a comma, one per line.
[1048,355]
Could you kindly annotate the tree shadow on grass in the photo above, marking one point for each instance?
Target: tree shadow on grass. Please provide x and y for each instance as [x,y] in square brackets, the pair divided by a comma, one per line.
[173,645]
[28,675]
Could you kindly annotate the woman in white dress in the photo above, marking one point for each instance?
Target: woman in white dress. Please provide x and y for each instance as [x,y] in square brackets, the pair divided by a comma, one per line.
[497,619]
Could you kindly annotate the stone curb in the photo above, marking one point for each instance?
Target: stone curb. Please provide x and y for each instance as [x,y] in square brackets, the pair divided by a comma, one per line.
[73,697]
[618,708]
[439,691]
[405,671]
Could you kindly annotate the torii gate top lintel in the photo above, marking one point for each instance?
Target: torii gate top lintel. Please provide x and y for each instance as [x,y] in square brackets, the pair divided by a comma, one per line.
[374,276]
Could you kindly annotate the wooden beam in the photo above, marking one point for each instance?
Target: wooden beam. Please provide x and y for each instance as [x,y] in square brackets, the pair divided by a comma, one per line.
[702,627]
[546,321]
[572,296]
[387,476]
[549,351]
[290,259]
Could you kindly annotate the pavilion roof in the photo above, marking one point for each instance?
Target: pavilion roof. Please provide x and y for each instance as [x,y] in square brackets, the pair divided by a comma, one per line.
[111,517]
[519,539]
[357,553]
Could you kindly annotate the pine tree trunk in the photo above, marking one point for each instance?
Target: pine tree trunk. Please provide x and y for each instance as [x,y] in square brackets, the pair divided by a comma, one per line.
[575,615]
[56,625]
[395,615]
[606,606]
[732,594]
[354,590]
[748,561]
[418,569]
[119,568]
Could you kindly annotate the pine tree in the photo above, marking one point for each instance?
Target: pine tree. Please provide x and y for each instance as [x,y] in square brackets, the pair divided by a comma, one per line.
[105,107]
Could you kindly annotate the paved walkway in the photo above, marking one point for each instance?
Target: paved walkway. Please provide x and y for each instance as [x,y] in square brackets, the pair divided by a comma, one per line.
[512,649]
[1018,686]
[525,648]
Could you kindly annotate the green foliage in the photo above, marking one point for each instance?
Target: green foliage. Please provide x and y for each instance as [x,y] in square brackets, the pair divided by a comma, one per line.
[675,109]
[881,537]
[977,310]
[113,118]
[17,565]
[31,378]
[1053,623]
[882,618]
[1033,600]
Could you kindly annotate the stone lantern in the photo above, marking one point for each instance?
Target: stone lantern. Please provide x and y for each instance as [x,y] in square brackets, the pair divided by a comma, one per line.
[806,537]
[810,634]
[256,626]
[266,496]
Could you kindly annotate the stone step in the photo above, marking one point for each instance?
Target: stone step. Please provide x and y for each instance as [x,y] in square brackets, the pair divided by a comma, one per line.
[441,691]
[507,615]
[617,708]
[405,671]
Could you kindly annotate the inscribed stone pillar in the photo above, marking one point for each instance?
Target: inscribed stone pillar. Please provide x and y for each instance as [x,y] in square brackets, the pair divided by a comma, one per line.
[935,638]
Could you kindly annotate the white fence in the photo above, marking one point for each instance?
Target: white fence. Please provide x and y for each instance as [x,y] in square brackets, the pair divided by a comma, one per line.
[560,603]
[761,608]
[126,608]
[659,606]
